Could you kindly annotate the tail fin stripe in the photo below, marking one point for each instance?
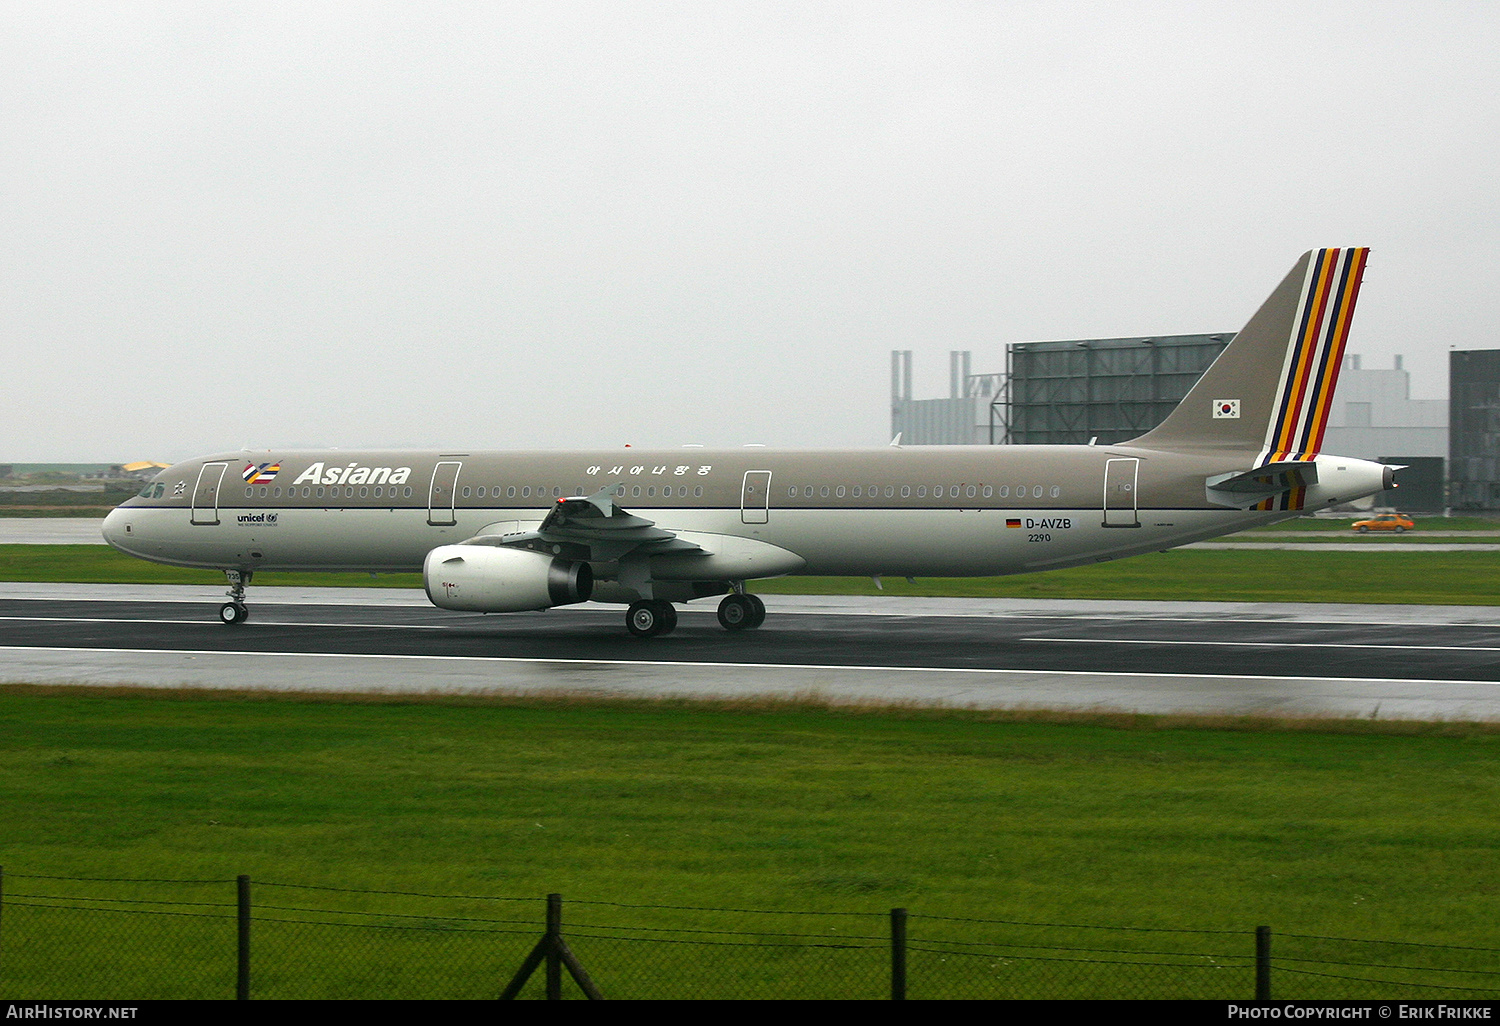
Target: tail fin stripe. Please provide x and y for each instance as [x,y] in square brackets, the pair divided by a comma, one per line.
[1315,306]
[1299,360]
[1314,360]
[1334,359]
[1300,425]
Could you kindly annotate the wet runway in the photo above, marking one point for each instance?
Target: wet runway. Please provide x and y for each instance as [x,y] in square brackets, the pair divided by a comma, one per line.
[1226,658]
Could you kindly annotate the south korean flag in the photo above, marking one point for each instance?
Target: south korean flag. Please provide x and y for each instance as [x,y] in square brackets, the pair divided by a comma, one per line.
[1226,409]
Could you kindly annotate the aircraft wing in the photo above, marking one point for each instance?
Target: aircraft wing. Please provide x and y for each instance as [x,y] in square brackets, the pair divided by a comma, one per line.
[594,529]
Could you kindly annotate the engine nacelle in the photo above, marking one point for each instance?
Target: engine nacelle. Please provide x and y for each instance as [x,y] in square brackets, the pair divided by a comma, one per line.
[490,579]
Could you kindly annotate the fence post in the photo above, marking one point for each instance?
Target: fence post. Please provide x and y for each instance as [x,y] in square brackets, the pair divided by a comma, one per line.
[242,974]
[554,936]
[1262,963]
[898,954]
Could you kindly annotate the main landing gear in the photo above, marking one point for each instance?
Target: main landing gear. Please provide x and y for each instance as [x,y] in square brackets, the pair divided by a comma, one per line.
[741,611]
[235,612]
[650,618]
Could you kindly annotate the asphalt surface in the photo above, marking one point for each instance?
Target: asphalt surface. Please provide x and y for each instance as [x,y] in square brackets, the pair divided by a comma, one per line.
[1227,658]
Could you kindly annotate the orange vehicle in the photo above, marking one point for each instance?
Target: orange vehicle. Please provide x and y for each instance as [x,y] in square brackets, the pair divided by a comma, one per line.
[1385,522]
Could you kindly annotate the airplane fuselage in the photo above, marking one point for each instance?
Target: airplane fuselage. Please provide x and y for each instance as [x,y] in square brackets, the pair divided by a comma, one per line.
[914,511]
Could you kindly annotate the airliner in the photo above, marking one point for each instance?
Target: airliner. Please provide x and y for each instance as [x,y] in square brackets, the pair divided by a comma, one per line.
[507,531]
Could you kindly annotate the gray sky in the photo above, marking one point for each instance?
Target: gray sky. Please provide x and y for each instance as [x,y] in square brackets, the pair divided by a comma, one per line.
[558,224]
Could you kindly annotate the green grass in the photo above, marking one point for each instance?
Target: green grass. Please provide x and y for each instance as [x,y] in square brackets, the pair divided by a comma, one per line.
[1345,828]
[99,564]
[1405,577]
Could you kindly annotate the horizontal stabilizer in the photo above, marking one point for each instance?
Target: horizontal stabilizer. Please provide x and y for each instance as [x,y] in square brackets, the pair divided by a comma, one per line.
[1273,477]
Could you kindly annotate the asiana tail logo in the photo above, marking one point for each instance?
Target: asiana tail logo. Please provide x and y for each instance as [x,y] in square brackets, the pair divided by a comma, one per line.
[353,474]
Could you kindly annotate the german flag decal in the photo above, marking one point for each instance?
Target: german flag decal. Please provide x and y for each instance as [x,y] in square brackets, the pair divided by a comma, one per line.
[1315,353]
[1012,522]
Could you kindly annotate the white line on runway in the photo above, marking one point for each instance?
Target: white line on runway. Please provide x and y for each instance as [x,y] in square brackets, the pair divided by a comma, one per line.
[682,664]
[211,623]
[1057,641]
[260,621]
[1265,644]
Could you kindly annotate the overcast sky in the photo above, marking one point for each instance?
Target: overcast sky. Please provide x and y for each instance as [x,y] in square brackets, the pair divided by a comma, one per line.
[507,225]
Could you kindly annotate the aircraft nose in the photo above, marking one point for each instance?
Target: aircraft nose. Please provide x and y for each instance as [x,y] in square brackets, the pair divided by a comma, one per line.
[115,527]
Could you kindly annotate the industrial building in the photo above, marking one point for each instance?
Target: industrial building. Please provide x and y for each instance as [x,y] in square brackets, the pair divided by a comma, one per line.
[1474,430]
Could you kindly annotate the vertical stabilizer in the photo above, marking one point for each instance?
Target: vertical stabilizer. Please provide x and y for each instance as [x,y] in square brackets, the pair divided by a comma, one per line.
[1270,390]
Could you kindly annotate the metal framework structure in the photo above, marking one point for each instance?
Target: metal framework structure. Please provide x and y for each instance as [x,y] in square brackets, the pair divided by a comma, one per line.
[1106,390]
[1474,429]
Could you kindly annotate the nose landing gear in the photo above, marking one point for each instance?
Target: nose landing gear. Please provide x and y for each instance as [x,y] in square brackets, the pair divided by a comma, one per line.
[235,612]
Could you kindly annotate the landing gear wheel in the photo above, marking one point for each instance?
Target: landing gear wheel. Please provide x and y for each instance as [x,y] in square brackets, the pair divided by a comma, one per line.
[741,612]
[759,611]
[234,612]
[650,618]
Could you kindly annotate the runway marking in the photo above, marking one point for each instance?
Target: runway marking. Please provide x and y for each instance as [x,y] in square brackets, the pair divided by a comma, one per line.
[212,623]
[1266,644]
[1134,674]
[1086,617]
[1057,641]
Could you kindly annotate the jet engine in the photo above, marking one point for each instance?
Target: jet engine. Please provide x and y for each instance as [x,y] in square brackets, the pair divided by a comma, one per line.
[491,579]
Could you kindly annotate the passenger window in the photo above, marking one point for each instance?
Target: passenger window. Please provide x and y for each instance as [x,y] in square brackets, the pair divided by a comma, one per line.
[890,490]
[407,492]
[906,491]
[468,491]
[841,491]
[248,492]
[1056,491]
[698,491]
[970,491]
[988,491]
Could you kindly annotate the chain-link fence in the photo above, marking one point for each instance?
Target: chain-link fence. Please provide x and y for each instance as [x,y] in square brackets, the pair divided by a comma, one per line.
[71,938]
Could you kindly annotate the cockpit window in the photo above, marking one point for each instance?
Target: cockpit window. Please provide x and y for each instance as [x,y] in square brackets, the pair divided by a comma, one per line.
[153,490]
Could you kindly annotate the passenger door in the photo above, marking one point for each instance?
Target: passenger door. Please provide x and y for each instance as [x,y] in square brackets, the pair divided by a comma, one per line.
[1121,476]
[440,493]
[206,493]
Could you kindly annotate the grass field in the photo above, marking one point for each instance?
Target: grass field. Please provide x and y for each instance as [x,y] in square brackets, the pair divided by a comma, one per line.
[1421,578]
[1345,829]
